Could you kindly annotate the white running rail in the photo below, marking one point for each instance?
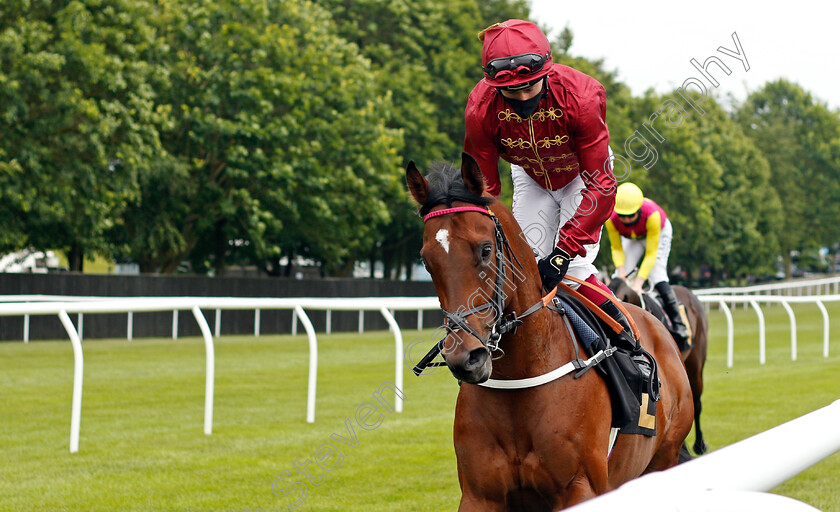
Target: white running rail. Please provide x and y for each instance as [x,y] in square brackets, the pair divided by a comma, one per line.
[734,478]
[46,305]
[753,300]
[824,286]
[385,305]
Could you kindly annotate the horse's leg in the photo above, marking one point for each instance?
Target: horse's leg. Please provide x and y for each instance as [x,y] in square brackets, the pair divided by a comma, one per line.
[696,360]
[473,504]
[667,454]
[674,411]
[699,443]
[685,455]
[630,456]
[580,490]
[694,368]
[473,497]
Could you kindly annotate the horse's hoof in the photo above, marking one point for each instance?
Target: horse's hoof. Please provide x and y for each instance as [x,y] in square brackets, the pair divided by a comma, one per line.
[700,447]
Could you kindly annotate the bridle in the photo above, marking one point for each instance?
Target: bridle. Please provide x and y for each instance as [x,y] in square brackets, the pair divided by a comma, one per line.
[458,320]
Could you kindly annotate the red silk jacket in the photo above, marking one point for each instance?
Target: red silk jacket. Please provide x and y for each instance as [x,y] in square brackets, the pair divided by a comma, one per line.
[566,137]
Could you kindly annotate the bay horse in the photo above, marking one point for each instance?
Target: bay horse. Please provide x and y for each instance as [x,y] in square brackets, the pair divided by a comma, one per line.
[694,357]
[529,447]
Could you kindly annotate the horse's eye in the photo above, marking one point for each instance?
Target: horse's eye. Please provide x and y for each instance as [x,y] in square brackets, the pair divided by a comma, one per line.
[486,251]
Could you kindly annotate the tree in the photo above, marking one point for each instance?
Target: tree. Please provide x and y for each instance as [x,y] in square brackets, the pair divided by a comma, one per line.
[682,179]
[711,180]
[77,118]
[800,138]
[494,11]
[426,57]
[746,208]
[277,140]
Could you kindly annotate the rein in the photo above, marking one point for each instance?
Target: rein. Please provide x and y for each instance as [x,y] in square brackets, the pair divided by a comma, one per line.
[458,320]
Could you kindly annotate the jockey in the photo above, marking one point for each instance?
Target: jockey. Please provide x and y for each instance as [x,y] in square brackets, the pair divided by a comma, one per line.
[638,227]
[549,122]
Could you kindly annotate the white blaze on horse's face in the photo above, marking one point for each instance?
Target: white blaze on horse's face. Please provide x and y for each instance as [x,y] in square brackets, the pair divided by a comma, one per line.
[442,237]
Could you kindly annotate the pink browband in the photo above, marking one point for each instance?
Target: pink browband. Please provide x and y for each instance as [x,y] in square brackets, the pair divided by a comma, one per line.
[431,215]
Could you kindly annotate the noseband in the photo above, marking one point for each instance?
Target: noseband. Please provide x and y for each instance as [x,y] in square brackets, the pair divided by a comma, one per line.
[458,320]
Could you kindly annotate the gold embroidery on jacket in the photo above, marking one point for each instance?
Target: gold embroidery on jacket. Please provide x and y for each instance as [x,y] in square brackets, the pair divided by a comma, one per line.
[543,143]
[544,173]
[536,165]
[549,159]
[519,143]
[556,141]
[507,115]
[550,114]
[539,172]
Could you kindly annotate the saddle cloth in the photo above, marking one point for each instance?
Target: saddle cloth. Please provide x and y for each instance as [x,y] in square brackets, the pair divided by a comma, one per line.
[630,373]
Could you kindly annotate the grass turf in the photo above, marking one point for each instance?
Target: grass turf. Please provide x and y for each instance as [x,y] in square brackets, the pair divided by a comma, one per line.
[142,444]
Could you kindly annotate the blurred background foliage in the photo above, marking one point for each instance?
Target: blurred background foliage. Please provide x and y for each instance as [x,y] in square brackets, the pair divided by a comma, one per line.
[254,132]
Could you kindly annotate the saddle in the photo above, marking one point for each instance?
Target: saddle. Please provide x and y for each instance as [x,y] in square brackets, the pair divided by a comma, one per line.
[653,305]
[629,371]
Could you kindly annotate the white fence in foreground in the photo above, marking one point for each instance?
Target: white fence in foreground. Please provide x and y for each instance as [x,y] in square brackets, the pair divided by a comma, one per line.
[733,478]
[195,304]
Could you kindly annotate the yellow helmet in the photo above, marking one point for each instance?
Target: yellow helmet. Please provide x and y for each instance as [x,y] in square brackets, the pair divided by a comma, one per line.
[628,199]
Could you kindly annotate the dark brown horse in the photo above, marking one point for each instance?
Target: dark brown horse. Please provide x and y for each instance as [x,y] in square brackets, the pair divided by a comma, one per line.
[542,447]
[694,358]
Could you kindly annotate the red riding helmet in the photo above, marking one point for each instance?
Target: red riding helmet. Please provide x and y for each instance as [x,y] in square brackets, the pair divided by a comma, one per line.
[515,52]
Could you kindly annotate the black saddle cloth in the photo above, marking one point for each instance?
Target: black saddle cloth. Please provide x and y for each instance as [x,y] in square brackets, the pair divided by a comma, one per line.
[630,373]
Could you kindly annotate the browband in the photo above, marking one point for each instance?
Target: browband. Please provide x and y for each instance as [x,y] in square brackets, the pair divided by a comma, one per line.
[437,213]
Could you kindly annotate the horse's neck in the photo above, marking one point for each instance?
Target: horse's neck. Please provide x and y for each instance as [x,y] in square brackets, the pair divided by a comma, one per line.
[630,294]
[541,344]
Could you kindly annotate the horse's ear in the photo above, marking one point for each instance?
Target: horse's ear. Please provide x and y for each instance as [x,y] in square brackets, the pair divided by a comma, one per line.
[471,174]
[417,184]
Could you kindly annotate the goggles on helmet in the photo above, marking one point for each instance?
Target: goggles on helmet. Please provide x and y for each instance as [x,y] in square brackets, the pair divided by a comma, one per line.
[507,68]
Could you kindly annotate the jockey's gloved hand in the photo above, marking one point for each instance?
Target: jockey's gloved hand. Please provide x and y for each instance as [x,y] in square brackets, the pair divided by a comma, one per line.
[553,268]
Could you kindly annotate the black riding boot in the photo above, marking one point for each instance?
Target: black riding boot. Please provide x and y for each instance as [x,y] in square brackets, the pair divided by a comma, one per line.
[672,307]
[626,337]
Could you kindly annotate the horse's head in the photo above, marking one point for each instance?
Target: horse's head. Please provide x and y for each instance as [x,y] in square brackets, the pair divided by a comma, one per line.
[624,292]
[471,262]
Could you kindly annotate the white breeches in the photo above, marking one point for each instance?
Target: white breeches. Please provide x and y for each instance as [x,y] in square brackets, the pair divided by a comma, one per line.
[541,212]
[634,251]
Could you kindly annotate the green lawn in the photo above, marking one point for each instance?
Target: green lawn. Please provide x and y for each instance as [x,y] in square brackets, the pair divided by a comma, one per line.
[142,444]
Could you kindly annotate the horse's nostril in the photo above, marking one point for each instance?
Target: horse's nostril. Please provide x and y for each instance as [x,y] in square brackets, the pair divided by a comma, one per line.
[477,358]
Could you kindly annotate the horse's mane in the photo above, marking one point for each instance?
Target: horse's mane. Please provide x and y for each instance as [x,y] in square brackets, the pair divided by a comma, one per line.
[446,186]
